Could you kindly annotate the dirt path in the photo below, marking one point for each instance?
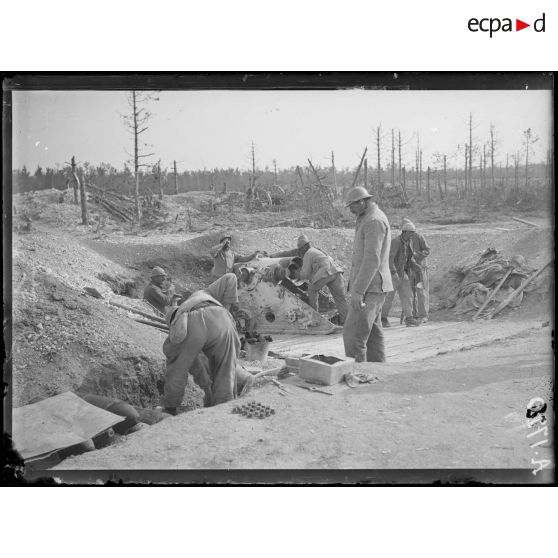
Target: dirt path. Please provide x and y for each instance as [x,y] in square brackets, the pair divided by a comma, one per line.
[465,410]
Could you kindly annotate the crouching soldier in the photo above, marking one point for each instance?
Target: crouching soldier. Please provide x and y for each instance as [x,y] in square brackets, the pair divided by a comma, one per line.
[320,271]
[203,341]
[200,325]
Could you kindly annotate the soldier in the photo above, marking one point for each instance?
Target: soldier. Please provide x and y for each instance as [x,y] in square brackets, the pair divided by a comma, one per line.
[203,341]
[159,295]
[401,284]
[320,271]
[410,260]
[369,280]
[224,258]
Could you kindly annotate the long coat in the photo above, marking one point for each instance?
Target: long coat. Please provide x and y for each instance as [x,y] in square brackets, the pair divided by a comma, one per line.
[370,266]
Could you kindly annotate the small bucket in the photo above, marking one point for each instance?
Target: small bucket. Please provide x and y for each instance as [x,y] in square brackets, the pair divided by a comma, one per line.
[257,351]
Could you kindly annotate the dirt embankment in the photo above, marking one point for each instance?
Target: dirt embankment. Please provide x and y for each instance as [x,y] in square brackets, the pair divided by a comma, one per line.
[64,340]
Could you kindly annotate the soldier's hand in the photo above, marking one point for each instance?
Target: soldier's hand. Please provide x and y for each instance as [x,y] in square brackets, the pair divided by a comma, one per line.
[357,303]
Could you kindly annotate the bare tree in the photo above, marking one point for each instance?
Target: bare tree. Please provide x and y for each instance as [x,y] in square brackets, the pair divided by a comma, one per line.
[379,155]
[175,177]
[334,173]
[253,152]
[399,153]
[392,159]
[471,150]
[83,195]
[528,140]
[137,122]
[492,151]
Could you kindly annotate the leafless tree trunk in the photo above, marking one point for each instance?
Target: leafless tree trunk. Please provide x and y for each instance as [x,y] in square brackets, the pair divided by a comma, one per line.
[334,173]
[471,150]
[466,167]
[492,151]
[483,182]
[416,171]
[428,184]
[439,184]
[445,178]
[137,123]
[362,159]
[253,166]
[399,154]
[420,170]
[392,159]
[366,173]
[175,177]
[529,139]
[83,195]
[403,180]
[378,150]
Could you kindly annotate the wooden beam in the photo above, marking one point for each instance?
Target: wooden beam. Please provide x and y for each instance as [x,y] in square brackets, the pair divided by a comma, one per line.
[359,167]
[492,295]
[519,290]
[526,222]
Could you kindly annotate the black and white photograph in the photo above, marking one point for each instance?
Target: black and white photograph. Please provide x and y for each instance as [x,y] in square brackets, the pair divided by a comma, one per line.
[281,277]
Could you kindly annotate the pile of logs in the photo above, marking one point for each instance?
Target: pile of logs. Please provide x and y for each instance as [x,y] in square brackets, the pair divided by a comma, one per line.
[118,206]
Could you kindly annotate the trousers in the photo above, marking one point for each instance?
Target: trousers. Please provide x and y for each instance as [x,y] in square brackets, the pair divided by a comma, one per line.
[403,288]
[211,331]
[363,335]
[336,286]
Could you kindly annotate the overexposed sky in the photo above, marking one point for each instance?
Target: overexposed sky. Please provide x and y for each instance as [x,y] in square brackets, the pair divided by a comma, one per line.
[208,129]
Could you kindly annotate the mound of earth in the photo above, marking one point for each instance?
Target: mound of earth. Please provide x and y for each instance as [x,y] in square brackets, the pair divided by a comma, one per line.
[65,340]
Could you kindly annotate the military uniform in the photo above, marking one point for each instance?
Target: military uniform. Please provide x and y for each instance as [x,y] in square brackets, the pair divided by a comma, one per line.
[320,270]
[369,280]
[157,297]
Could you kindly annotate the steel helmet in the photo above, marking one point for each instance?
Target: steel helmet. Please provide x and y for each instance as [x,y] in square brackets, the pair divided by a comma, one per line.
[356,194]
[302,241]
[158,271]
[226,235]
[407,225]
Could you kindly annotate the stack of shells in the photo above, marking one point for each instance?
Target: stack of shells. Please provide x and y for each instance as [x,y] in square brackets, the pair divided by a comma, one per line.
[253,409]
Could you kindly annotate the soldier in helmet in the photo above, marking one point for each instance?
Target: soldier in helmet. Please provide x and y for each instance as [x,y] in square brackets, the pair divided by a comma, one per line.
[369,280]
[320,271]
[159,293]
[224,258]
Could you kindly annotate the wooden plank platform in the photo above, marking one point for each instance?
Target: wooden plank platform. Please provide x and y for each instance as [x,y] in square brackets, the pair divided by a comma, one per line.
[409,344]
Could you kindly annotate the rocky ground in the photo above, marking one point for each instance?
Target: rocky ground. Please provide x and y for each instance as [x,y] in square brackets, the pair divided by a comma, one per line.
[66,340]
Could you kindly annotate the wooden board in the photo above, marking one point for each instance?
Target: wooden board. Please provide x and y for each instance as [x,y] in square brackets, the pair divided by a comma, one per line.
[56,423]
[408,344]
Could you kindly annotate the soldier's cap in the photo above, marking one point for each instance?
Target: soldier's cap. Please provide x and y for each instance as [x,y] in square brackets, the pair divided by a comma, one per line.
[158,271]
[225,236]
[356,194]
[303,240]
[407,225]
